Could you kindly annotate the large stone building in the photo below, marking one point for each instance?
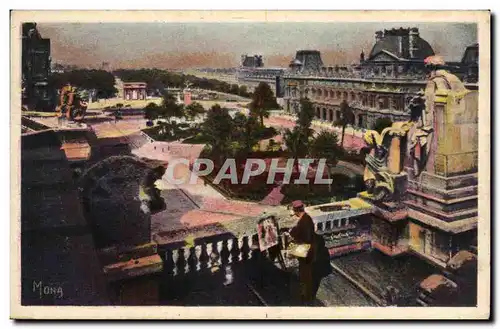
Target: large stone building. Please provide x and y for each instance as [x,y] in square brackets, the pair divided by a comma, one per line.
[35,63]
[381,85]
[252,71]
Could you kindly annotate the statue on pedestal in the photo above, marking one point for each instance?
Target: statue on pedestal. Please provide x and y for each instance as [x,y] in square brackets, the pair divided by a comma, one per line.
[421,133]
[72,104]
[422,143]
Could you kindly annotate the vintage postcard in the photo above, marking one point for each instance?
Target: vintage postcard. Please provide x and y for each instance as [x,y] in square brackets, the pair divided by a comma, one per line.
[296,165]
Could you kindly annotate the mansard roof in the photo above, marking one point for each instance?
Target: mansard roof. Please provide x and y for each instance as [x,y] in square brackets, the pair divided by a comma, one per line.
[390,43]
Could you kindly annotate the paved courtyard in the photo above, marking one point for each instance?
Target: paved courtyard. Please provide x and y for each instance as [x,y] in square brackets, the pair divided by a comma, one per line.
[191,205]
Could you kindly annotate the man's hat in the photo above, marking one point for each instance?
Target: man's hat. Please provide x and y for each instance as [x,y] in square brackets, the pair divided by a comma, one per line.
[297,204]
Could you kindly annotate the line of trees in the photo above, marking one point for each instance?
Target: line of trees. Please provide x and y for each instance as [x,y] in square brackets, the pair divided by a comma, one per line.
[167,111]
[157,80]
[232,136]
[102,81]
[243,132]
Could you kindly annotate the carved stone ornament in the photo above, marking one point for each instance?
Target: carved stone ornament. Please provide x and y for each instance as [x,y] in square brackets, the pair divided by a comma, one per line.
[118,195]
[384,161]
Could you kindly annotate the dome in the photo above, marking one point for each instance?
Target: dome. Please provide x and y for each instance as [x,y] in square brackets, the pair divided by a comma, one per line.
[397,42]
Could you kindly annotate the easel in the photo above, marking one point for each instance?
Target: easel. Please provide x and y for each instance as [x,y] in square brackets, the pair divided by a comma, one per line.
[273,252]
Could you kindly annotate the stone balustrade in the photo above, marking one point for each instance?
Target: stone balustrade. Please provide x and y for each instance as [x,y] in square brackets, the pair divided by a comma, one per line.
[224,250]
[211,252]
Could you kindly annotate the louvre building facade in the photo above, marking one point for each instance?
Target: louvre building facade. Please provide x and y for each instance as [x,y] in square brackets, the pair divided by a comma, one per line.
[380,85]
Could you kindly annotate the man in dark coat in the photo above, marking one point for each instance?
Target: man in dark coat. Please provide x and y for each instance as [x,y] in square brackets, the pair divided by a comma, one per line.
[316,265]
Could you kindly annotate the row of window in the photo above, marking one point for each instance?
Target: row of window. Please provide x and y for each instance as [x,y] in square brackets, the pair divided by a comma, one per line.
[371,100]
[328,115]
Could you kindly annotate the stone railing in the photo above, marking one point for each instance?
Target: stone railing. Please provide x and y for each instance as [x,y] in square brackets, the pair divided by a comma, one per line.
[226,249]
[338,220]
[221,251]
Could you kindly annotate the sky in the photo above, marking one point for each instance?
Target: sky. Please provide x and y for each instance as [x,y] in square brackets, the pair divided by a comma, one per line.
[196,45]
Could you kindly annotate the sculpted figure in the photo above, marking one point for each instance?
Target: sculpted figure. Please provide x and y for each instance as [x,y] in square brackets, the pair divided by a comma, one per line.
[71,103]
[383,162]
[421,133]
[423,113]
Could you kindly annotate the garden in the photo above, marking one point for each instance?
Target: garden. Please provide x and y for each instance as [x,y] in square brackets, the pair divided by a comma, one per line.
[229,135]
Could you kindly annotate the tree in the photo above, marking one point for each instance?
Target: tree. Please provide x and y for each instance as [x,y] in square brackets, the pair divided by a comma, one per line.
[381,124]
[346,118]
[169,108]
[151,111]
[296,143]
[297,140]
[263,101]
[217,129]
[246,130]
[305,117]
[102,81]
[234,89]
[193,110]
[243,91]
[325,146]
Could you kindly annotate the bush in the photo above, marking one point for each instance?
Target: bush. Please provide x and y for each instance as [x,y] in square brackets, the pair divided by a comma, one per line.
[266,132]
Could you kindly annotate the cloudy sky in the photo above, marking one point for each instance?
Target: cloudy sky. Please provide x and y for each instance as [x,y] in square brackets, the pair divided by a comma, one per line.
[185,45]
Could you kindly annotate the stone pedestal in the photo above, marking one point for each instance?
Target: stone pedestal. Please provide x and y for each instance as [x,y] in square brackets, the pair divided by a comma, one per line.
[389,221]
[442,199]
[133,274]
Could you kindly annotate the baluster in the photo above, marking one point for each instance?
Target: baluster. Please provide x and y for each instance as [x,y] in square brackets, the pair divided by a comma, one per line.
[230,250]
[192,260]
[204,258]
[241,243]
[225,260]
[181,262]
[209,252]
[219,252]
[186,261]
[169,263]
[175,258]
[245,248]
[235,250]
[215,255]
[197,255]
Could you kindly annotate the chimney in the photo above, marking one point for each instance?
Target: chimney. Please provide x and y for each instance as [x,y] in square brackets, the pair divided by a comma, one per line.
[413,42]
[378,36]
